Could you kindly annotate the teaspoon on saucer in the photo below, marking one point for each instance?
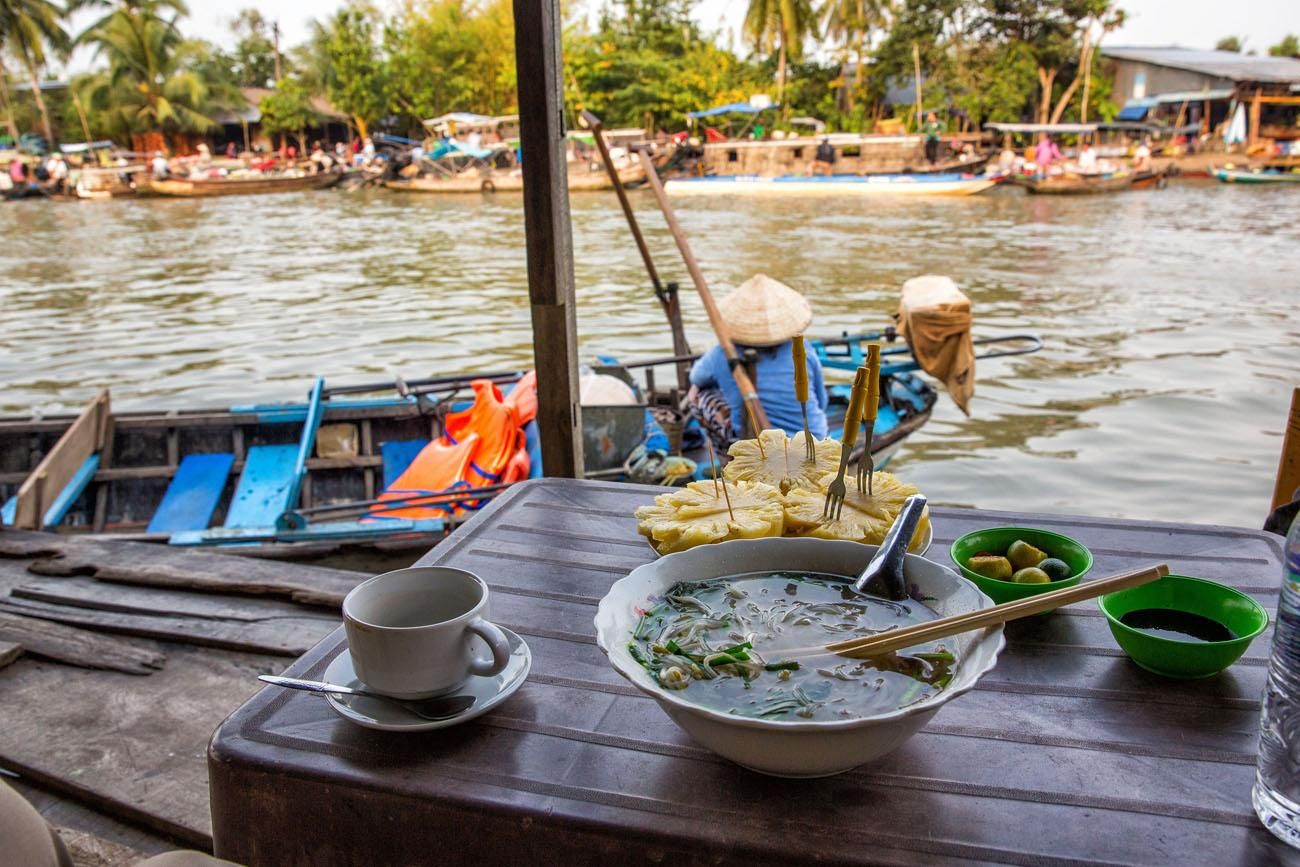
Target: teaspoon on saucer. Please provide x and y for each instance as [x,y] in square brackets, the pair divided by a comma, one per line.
[434,709]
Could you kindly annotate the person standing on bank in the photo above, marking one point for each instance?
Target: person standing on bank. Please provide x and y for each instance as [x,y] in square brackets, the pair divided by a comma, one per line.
[762,315]
[933,129]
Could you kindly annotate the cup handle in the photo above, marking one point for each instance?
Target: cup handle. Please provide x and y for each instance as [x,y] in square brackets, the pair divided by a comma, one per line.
[499,644]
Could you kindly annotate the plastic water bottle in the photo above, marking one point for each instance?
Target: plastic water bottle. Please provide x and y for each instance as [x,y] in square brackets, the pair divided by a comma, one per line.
[1276,795]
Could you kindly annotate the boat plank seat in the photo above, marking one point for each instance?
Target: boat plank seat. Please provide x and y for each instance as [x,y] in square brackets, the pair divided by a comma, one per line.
[193,494]
[64,473]
[59,507]
[264,487]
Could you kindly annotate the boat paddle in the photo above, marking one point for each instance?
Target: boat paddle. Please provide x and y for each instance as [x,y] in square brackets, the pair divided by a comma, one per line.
[747,391]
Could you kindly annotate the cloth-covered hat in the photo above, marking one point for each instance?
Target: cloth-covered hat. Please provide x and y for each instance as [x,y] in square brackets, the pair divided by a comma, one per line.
[764,312]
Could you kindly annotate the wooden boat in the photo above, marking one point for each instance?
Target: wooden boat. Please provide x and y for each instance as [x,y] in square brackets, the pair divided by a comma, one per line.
[1078,185]
[1257,176]
[197,187]
[1147,180]
[301,479]
[833,185]
[478,179]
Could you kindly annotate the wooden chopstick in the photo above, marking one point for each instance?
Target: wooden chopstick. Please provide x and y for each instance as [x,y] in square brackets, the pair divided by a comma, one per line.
[897,639]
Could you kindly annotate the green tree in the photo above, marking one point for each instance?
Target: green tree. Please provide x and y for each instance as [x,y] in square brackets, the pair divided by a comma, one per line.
[311,62]
[28,28]
[452,55]
[1229,43]
[648,60]
[253,59]
[289,111]
[1288,47]
[1058,35]
[852,22]
[151,83]
[784,25]
[360,87]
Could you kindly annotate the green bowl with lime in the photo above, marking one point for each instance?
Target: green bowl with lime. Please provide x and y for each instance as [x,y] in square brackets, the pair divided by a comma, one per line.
[1072,561]
[1183,627]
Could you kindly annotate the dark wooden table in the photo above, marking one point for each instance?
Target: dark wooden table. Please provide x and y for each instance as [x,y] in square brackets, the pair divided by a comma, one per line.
[1066,753]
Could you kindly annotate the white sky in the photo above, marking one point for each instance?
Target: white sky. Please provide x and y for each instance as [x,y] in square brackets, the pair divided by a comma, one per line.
[1189,23]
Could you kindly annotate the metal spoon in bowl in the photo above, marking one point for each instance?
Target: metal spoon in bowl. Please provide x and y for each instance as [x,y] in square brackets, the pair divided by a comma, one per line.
[884,574]
[433,709]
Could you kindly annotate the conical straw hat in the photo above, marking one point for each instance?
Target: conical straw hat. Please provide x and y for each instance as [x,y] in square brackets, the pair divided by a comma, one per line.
[764,312]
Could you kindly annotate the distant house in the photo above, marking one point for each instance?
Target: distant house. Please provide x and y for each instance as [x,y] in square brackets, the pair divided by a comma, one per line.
[244,126]
[1188,85]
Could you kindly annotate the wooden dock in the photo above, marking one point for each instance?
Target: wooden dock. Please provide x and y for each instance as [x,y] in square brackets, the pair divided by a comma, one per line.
[117,662]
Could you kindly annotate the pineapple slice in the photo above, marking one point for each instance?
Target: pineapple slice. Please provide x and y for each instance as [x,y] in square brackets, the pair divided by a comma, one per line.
[697,515]
[784,466]
[864,518]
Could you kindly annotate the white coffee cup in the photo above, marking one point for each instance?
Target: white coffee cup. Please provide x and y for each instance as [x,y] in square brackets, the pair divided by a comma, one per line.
[411,632]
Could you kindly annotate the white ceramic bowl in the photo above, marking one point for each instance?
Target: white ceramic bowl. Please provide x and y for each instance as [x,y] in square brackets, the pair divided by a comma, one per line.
[779,747]
[920,547]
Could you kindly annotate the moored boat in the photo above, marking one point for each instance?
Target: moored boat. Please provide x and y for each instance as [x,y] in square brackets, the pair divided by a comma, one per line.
[235,186]
[1079,185]
[1256,176]
[483,180]
[936,184]
[305,478]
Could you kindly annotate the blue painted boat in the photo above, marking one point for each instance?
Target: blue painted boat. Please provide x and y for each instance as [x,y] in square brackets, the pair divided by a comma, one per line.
[302,479]
[1257,176]
[931,184]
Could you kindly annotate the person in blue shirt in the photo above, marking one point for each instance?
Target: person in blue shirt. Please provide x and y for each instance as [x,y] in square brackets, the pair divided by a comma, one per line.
[761,314]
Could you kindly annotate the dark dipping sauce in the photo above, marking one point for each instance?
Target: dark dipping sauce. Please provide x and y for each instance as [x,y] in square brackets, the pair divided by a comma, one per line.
[1177,625]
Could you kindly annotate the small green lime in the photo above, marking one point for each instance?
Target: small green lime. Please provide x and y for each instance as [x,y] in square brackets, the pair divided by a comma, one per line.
[1023,555]
[1057,570]
[990,566]
[1031,575]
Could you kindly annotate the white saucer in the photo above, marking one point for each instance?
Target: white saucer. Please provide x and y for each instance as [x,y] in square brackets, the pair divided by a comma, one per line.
[488,692]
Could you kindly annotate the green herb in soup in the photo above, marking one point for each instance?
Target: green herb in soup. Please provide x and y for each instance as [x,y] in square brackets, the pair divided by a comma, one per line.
[721,643]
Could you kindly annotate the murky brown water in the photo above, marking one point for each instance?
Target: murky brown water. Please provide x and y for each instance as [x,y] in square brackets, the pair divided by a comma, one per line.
[1170,317]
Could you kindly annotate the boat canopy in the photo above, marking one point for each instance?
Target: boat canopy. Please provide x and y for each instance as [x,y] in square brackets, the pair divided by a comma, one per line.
[1050,128]
[82,147]
[468,120]
[731,108]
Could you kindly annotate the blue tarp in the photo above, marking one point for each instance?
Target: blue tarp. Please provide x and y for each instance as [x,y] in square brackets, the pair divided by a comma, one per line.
[1135,111]
[476,153]
[736,107]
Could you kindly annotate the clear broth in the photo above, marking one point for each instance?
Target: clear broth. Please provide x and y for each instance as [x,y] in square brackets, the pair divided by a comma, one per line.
[758,616]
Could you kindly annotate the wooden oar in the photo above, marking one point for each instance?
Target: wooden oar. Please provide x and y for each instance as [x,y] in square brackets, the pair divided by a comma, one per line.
[910,636]
[747,391]
[667,298]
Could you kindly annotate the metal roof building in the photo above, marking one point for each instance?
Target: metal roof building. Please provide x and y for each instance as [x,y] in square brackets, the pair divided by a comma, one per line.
[1200,86]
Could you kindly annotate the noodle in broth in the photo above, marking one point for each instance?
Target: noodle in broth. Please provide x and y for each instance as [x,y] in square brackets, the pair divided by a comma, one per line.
[720,642]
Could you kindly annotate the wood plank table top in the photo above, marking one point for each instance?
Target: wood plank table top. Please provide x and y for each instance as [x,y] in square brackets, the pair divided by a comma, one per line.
[1066,753]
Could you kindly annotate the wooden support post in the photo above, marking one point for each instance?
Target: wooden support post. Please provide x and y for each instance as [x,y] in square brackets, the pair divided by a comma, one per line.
[549,241]
[1288,466]
[83,438]
[1252,134]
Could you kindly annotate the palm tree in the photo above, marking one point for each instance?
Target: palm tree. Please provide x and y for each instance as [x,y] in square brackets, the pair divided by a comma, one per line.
[27,27]
[785,24]
[151,84]
[852,22]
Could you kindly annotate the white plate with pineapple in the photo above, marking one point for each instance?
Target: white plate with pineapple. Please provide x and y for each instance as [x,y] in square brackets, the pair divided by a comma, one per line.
[773,491]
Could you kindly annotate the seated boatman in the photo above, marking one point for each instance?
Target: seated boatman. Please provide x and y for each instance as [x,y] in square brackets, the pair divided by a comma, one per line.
[764,315]
[824,161]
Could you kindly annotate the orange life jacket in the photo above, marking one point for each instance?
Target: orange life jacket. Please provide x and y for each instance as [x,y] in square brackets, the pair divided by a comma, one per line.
[480,446]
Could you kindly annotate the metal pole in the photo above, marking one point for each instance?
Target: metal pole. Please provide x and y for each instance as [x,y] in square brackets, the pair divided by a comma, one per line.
[549,240]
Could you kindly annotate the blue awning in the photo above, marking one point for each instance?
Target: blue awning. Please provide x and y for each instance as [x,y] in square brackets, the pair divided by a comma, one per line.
[733,107]
[1133,111]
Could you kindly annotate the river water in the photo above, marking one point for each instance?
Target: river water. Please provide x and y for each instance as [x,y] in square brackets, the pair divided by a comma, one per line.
[1170,317]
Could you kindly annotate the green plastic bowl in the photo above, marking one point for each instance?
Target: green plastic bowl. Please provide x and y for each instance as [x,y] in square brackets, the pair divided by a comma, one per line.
[998,539]
[1185,659]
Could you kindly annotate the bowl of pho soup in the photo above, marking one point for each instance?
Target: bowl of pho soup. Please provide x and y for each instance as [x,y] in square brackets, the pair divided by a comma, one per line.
[704,632]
